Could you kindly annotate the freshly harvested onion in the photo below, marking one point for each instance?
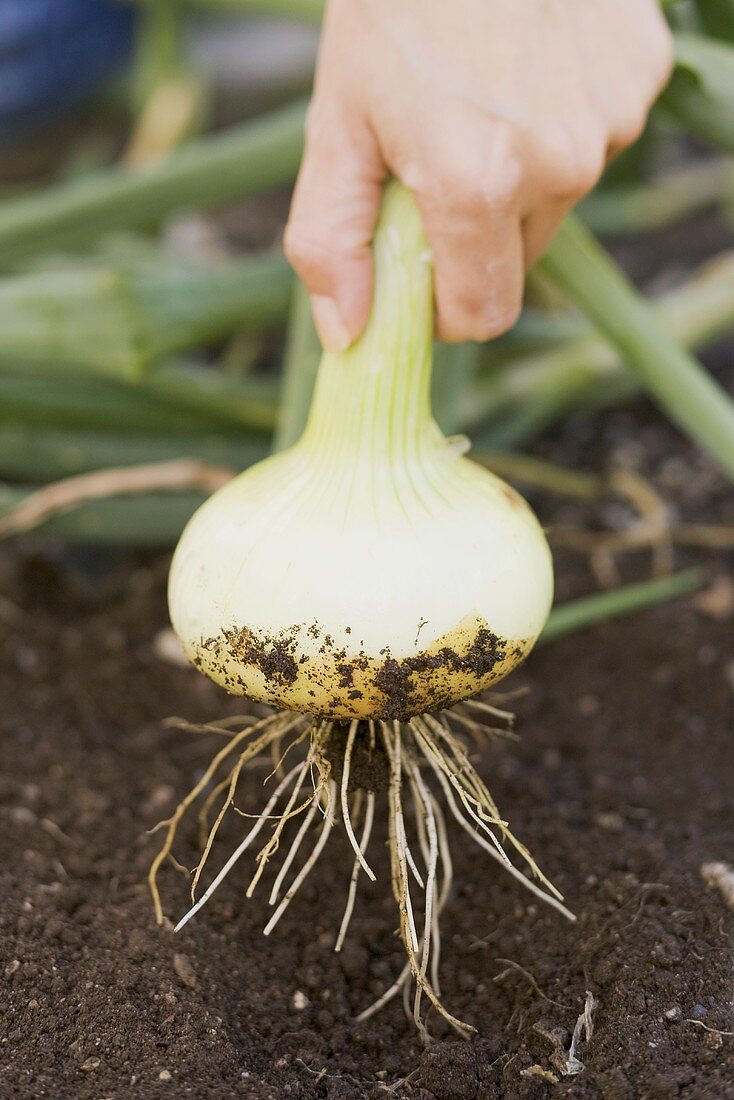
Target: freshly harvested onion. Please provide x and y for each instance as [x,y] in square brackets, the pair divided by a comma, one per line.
[371,571]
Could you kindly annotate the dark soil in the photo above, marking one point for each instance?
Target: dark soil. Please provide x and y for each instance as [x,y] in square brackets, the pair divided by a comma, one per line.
[621,785]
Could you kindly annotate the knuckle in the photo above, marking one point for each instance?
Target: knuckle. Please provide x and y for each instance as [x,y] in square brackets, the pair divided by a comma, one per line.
[475,318]
[458,315]
[456,186]
[587,171]
[488,175]
[663,54]
[576,162]
[630,128]
[504,187]
[507,167]
[304,252]
[500,318]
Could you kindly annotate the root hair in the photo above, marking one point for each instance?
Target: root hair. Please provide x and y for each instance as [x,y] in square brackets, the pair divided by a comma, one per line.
[425,757]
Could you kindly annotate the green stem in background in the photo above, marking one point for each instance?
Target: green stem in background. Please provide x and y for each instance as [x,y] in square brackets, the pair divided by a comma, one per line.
[647,207]
[583,270]
[186,308]
[238,162]
[69,402]
[300,366]
[455,369]
[308,10]
[541,474]
[563,390]
[169,96]
[46,454]
[717,17]
[240,355]
[173,399]
[700,95]
[240,402]
[115,321]
[535,390]
[157,47]
[143,520]
[536,330]
[578,614]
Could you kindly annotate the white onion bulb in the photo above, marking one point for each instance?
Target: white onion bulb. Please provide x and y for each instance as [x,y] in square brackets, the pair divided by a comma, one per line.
[371,571]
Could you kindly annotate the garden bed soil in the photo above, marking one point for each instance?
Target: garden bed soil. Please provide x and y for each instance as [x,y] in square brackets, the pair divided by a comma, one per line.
[621,784]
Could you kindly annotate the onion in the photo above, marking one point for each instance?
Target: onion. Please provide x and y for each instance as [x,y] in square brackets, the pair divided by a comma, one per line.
[372,570]
[364,583]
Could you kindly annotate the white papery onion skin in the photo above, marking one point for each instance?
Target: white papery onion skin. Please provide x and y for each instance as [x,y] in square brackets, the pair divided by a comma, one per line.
[371,571]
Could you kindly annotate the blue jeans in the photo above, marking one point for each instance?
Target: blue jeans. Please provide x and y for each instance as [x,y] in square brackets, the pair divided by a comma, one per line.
[53,54]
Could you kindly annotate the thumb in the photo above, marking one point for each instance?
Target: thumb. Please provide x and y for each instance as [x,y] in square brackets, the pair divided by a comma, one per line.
[332,219]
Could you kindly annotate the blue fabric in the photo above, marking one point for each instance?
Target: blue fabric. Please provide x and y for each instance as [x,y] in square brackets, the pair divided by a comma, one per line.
[54,53]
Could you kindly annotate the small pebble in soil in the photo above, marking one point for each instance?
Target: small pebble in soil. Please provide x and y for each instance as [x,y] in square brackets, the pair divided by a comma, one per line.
[300,1001]
[720,875]
[184,970]
[158,800]
[674,1013]
[552,758]
[26,658]
[588,705]
[717,601]
[610,821]
[167,647]
[23,817]
[164,1075]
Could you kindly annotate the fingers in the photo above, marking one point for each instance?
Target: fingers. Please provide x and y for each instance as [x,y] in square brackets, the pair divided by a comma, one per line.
[539,229]
[470,201]
[567,164]
[332,218]
[569,169]
[479,273]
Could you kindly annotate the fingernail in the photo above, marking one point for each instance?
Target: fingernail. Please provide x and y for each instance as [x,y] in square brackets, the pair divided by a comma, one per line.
[331,329]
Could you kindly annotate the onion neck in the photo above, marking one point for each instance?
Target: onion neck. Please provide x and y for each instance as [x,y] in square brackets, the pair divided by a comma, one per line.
[372,402]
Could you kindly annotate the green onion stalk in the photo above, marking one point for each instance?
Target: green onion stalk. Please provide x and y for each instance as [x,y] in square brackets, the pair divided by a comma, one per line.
[650,206]
[30,453]
[117,321]
[700,95]
[717,17]
[513,403]
[217,168]
[309,11]
[692,399]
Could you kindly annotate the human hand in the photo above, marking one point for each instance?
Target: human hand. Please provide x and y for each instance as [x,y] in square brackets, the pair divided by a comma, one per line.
[499,115]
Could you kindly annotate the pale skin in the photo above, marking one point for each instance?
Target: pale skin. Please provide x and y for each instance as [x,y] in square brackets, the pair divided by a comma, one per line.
[499,115]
